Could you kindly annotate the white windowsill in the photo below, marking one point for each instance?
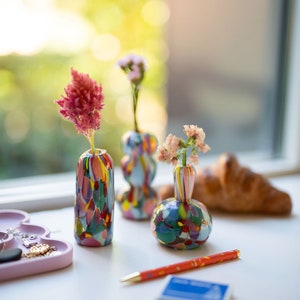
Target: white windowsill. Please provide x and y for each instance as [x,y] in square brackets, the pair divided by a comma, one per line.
[261,240]
[57,191]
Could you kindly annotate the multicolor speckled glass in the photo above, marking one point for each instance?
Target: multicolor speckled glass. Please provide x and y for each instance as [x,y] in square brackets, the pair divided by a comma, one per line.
[94,201]
[182,222]
[139,168]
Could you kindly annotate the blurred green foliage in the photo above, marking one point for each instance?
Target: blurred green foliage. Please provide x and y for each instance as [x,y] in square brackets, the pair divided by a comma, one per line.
[34,138]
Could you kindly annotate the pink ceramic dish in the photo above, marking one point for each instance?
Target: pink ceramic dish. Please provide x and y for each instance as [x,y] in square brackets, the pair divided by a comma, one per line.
[19,220]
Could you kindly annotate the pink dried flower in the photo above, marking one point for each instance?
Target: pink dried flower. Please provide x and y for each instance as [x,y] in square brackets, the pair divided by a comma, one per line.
[175,148]
[82,103]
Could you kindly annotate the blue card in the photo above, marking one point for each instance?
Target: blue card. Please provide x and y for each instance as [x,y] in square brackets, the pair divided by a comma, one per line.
[178,288]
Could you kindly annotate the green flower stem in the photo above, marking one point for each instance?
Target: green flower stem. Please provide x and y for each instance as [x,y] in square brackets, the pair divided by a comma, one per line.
[183,158]
[135,94]
[92,142]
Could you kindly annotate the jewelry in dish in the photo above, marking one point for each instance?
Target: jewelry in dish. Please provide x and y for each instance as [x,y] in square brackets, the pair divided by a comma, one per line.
[39,250]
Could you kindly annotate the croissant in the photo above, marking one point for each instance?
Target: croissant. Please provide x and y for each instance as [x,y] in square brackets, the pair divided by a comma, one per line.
[227,186]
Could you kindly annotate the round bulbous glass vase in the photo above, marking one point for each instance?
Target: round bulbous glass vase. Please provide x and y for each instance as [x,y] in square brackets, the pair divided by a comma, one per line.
[181,222]
[139,169]
[94,200]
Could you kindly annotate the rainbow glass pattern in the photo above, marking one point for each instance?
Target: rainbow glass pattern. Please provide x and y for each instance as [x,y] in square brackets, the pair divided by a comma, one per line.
[94,201]
[182,222]
[139,169]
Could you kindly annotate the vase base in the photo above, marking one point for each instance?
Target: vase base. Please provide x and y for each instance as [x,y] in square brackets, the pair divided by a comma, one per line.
[136,205]
[91,242]
[184,244]
[181,225]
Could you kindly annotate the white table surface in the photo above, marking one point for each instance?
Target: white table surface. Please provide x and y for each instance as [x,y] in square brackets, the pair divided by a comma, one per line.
[269,266]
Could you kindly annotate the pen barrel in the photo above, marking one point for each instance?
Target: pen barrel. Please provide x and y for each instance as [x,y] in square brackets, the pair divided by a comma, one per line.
[189,264]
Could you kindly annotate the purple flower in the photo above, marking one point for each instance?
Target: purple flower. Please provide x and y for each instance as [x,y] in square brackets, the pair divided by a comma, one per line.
[134,66]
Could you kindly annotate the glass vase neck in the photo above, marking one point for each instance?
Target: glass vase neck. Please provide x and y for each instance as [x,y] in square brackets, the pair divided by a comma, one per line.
[184,180]
[96,152]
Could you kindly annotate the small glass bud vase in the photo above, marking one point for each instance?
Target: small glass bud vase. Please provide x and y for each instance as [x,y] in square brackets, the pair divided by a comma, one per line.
[139,169]
[94,201]
[182,222]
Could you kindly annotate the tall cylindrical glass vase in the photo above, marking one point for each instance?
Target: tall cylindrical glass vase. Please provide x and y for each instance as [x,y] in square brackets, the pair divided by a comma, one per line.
[94,201]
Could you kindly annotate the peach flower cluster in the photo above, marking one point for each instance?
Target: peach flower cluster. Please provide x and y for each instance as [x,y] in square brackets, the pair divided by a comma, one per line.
[176,149]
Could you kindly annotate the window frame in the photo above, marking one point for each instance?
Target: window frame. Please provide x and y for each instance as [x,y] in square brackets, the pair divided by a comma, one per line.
[291,128]
[288,160]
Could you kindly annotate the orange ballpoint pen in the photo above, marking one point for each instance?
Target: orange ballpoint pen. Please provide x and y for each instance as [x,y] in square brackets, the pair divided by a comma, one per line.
[182,266]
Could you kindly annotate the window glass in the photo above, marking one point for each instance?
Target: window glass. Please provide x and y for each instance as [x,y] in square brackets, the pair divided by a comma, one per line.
[225,72]
[221,62]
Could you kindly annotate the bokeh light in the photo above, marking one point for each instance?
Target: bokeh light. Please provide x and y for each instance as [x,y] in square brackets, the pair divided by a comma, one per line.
[156,12]
[36,54]
[106,47]
[16,126]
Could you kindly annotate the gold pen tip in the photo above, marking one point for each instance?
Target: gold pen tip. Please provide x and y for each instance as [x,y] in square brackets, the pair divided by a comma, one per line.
[133,277]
